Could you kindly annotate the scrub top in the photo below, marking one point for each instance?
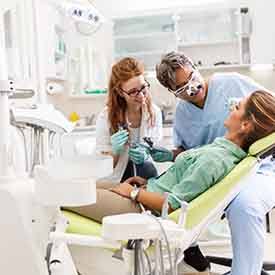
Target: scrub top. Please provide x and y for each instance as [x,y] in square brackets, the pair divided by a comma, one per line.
[196,170]
[194,126]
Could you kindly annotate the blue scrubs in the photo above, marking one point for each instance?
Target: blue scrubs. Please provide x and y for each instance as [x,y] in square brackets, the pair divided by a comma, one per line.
[194,126]
[246,214]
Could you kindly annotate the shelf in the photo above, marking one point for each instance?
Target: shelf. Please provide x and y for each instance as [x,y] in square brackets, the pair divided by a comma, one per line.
[87,96]
[233,66]
[145,35]
[152,74]
[56,78]
[141,53]
[207,43]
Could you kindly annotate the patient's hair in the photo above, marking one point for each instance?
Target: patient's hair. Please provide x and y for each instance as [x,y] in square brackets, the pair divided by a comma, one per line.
[260,109]
[166,70]
[122,71]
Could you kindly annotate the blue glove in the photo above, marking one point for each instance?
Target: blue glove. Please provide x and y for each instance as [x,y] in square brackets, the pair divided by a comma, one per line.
[118,140]
[160,154]
[138,154]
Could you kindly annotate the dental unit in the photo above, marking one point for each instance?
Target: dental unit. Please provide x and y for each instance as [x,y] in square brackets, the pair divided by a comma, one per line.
[43,240]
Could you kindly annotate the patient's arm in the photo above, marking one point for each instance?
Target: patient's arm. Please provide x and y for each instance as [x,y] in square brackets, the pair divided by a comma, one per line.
[151,200]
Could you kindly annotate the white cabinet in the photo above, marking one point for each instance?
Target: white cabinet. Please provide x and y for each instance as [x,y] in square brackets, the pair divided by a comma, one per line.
[144,37]
[18,26]
[209,37]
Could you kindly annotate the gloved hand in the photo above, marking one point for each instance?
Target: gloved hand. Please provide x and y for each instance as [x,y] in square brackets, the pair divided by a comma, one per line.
[118,141]
[138,154]
[160,154]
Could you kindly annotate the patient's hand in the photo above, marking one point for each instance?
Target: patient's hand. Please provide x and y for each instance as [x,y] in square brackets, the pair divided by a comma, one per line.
[124,189]
[138,181]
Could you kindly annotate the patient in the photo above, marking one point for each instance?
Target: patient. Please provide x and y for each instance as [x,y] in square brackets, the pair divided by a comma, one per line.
[195,170]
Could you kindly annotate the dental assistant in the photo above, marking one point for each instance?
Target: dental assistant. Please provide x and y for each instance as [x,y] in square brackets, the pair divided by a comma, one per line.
[128,117]
[199,119]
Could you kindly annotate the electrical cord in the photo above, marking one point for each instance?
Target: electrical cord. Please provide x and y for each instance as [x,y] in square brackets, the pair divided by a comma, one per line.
[148,261]
[166,241]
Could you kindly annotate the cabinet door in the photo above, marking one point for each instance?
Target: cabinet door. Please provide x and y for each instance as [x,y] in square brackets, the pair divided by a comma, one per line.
[19,42]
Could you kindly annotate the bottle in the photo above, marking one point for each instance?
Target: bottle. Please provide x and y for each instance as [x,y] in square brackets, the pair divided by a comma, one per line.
[73,117]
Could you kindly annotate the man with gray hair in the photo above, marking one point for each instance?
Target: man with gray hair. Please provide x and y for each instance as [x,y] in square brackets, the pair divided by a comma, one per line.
[199,119]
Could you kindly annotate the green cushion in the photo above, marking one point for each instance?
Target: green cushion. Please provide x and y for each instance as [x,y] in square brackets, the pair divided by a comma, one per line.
[202,205]
[262,144]
[82,225]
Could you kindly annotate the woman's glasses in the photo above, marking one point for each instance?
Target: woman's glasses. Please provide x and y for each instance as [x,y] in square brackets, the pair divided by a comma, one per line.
[135,92]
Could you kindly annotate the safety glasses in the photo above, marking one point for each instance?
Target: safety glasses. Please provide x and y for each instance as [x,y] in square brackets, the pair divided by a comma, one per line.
[186,88]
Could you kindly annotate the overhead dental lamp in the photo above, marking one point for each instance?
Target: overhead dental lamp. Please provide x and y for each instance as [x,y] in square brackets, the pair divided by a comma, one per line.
[86,17]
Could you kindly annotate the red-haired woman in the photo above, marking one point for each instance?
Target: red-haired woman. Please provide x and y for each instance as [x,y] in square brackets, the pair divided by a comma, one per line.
[128,117]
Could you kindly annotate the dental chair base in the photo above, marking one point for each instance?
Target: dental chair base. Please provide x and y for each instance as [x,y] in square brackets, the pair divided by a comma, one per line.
[23,236]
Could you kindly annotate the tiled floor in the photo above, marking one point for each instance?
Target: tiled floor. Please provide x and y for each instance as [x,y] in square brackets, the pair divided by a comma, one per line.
[225,251]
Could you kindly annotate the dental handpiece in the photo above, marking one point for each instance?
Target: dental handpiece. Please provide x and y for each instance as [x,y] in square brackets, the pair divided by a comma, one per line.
[133,145]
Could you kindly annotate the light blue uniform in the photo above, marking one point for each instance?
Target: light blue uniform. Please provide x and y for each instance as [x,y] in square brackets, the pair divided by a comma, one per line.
[246,214]
[195,126]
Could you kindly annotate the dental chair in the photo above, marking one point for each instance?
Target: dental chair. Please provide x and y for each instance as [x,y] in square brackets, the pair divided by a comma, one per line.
[192,219]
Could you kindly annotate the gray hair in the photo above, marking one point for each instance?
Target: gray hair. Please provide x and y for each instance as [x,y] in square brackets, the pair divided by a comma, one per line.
[166,70]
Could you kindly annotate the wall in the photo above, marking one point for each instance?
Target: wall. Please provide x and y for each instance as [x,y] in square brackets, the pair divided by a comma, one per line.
[261,51]
[263,38]
[102,42]
[124,7]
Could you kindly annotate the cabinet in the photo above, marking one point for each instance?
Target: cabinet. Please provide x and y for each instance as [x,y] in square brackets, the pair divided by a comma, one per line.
[144,37]
[209,37]
[18,27]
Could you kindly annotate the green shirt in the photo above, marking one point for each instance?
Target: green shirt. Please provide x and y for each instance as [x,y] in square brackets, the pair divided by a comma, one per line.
[196,170]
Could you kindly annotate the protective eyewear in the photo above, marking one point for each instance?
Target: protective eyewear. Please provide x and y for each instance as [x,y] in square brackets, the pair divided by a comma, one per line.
[135,92]
[192,86]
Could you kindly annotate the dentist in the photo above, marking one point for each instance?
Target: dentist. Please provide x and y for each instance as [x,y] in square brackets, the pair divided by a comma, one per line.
[199,119]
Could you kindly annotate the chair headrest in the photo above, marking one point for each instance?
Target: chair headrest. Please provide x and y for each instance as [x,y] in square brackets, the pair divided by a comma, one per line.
[262,144]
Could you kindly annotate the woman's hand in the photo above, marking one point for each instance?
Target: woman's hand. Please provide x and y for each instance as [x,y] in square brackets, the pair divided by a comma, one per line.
[139,181]
[124,189]
[118,140]
[138,154]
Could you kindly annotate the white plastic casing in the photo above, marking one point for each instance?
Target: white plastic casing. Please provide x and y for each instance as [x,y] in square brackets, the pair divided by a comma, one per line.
[70,182]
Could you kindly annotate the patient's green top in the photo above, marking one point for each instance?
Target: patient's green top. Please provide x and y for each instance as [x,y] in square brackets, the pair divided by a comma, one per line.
[196,170]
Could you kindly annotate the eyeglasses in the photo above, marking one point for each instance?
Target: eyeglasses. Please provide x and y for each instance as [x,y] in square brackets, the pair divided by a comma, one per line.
[135,92]
[193,77]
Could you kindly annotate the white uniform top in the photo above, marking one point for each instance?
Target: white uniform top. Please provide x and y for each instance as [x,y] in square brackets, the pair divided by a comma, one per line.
[103,138]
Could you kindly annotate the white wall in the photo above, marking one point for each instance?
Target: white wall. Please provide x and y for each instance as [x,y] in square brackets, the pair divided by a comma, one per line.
[262,43]
[124,7]
[263,38]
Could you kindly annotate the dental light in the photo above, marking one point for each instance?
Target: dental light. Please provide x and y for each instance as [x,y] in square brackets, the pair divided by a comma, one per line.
[87,18]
